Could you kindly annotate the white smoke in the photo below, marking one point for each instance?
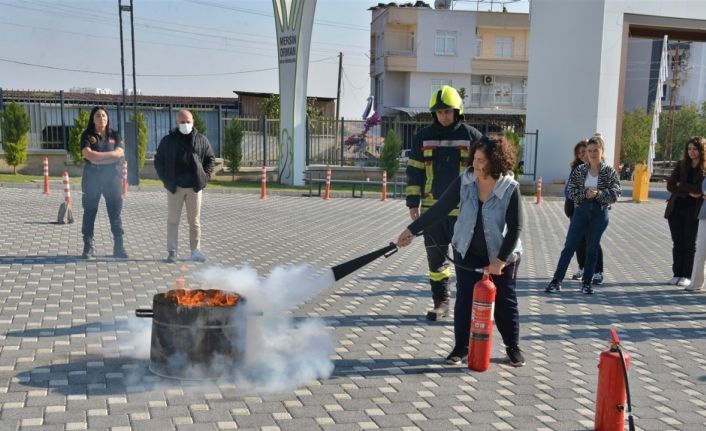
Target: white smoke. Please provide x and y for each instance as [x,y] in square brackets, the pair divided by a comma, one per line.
[278,353]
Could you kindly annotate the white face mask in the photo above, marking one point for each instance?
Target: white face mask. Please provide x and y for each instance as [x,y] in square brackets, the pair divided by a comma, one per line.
[186,128]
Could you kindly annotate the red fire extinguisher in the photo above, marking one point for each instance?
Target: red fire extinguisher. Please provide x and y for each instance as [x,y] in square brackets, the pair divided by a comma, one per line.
[481,340]
[613,389]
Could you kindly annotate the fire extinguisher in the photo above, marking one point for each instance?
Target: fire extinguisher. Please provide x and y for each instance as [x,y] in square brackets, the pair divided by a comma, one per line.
[613,388]
[481,339]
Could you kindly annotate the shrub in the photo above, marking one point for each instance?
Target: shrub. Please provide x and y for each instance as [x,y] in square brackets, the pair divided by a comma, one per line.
[14,121]
[233,146]
[80,124]
[389,157]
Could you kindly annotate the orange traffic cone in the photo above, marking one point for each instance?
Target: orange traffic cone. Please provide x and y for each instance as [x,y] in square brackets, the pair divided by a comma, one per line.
[124,178]
[539,191]
[327,191]
[263,184]
[384,186]
[46,175]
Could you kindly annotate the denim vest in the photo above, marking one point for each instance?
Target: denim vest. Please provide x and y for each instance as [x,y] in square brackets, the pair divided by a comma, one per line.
[494,209]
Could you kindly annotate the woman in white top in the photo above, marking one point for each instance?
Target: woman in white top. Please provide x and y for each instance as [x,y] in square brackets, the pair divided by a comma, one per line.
[593,187]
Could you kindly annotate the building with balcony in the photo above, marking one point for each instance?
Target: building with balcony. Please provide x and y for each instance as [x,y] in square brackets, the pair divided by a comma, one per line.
[416,49]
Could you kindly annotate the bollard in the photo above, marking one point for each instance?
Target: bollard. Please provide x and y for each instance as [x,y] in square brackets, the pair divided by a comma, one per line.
[539,191]
[384,186]
[65,209]
[263,183]
[46,175]
[327,191]
[124,192]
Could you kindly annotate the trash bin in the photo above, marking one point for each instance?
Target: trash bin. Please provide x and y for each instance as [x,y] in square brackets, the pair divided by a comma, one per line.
[640,183]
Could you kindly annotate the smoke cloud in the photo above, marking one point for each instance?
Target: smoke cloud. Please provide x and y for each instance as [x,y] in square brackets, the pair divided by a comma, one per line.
[279,352]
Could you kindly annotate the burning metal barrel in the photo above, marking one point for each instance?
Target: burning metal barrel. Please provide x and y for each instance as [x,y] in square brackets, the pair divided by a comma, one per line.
[196,334]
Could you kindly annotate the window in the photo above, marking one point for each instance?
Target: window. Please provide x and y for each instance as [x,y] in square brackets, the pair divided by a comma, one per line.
[445,42]
[437,83]
[503,47]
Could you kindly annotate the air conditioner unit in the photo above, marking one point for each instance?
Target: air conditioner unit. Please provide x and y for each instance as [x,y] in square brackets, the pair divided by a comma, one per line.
[488,79]
[524,82]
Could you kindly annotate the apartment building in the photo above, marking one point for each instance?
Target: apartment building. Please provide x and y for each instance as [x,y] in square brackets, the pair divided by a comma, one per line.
[415,49]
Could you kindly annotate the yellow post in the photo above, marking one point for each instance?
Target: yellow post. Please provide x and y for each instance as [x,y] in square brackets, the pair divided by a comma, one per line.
[640,183]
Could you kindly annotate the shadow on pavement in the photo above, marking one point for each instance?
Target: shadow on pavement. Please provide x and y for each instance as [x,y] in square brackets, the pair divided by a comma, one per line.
[86,328]
[64,259]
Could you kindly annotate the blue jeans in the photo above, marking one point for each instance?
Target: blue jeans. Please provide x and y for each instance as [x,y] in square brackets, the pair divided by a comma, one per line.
[591,220]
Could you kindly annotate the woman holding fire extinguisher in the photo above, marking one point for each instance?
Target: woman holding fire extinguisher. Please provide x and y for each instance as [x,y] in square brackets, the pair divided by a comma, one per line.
[486,234]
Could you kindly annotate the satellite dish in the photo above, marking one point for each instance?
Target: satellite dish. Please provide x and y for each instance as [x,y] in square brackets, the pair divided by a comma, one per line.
[442,4]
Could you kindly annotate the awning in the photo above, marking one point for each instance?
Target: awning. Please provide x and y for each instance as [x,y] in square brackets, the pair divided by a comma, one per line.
[410,110]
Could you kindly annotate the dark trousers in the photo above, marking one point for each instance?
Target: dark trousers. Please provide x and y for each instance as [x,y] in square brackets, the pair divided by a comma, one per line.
[581,255]
[96,182]
[591,220]
[683,226]
[506,315]
[437,238]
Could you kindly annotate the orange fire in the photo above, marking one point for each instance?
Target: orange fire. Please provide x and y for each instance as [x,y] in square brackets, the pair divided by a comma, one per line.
[202,298]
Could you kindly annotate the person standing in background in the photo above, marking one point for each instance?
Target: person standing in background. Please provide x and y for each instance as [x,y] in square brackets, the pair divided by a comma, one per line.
[184,162]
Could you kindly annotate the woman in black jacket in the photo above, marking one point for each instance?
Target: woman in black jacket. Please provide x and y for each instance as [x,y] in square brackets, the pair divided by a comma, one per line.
[683,209]
[103,154]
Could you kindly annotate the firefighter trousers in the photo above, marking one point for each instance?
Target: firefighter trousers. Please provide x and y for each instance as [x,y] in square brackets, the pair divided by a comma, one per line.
[437,238]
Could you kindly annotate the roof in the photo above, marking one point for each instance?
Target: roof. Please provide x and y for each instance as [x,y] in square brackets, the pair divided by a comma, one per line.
[254,94]
[111,99]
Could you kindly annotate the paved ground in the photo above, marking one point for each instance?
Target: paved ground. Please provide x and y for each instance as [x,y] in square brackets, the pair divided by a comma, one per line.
[63,365]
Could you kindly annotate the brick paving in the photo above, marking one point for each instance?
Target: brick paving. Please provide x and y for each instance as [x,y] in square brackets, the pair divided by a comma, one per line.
[63,366]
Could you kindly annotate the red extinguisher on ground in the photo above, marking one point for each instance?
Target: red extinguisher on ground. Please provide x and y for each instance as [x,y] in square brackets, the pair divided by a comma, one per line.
[481,339]
[613,388]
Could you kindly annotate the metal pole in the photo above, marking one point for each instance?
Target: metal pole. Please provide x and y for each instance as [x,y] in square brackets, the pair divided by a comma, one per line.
[338,88]
[220,130]
[2,100]
[536,146]
[134,168]
[342,138]
[307,143]
[63,122]
[264,140]
[121,107]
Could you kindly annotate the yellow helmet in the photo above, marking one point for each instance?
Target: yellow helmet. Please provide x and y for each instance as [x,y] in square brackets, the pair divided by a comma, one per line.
[446,97]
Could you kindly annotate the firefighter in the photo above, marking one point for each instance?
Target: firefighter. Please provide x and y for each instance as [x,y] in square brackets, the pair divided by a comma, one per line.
[438,156]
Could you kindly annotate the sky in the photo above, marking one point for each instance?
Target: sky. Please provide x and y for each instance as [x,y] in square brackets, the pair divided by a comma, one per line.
[186,47]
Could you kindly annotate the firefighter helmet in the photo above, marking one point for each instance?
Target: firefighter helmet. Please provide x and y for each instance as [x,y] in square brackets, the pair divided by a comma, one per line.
[446,97]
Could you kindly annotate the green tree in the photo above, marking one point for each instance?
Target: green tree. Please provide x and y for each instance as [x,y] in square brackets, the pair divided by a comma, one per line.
[233,146]
[390,155]
[15,125]
[635,142]
[199,123]
[142,137]
[688,121]
[80,124]
[270,107]
[514,139]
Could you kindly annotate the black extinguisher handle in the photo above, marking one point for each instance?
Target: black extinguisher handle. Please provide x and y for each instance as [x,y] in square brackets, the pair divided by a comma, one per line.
[631,423]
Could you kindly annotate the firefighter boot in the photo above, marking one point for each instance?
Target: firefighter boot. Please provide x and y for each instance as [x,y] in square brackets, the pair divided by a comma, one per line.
[119,247]
[441,310]
[89,248]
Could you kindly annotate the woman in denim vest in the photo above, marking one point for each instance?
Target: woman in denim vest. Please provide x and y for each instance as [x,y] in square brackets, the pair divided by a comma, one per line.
[593,187]
[486,234]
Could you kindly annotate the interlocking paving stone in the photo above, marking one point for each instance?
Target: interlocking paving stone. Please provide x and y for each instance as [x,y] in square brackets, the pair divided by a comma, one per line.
[63,323]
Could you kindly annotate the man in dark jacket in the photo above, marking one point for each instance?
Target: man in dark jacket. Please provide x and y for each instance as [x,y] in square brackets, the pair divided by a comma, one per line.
[184,162]
[438,155]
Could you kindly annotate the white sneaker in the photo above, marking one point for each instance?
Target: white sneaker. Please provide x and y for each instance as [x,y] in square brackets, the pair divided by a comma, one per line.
[197,256]
[684,282]
[674,281]
[578,275]
[598,278]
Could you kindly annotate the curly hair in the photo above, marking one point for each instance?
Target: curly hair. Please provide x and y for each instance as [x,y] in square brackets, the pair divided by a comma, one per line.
[500,154]
[582,143]
[700,143]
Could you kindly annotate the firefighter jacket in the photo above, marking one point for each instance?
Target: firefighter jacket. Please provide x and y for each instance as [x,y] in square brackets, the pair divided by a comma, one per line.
[437,157]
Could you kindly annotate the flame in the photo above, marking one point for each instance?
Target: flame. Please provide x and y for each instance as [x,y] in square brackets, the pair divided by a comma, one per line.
[202,298]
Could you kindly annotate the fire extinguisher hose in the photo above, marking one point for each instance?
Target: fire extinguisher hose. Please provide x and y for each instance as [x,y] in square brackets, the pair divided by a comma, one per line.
[446,253]
[631,423]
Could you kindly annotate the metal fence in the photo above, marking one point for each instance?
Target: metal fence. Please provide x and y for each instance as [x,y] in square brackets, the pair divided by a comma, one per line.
[329,141]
